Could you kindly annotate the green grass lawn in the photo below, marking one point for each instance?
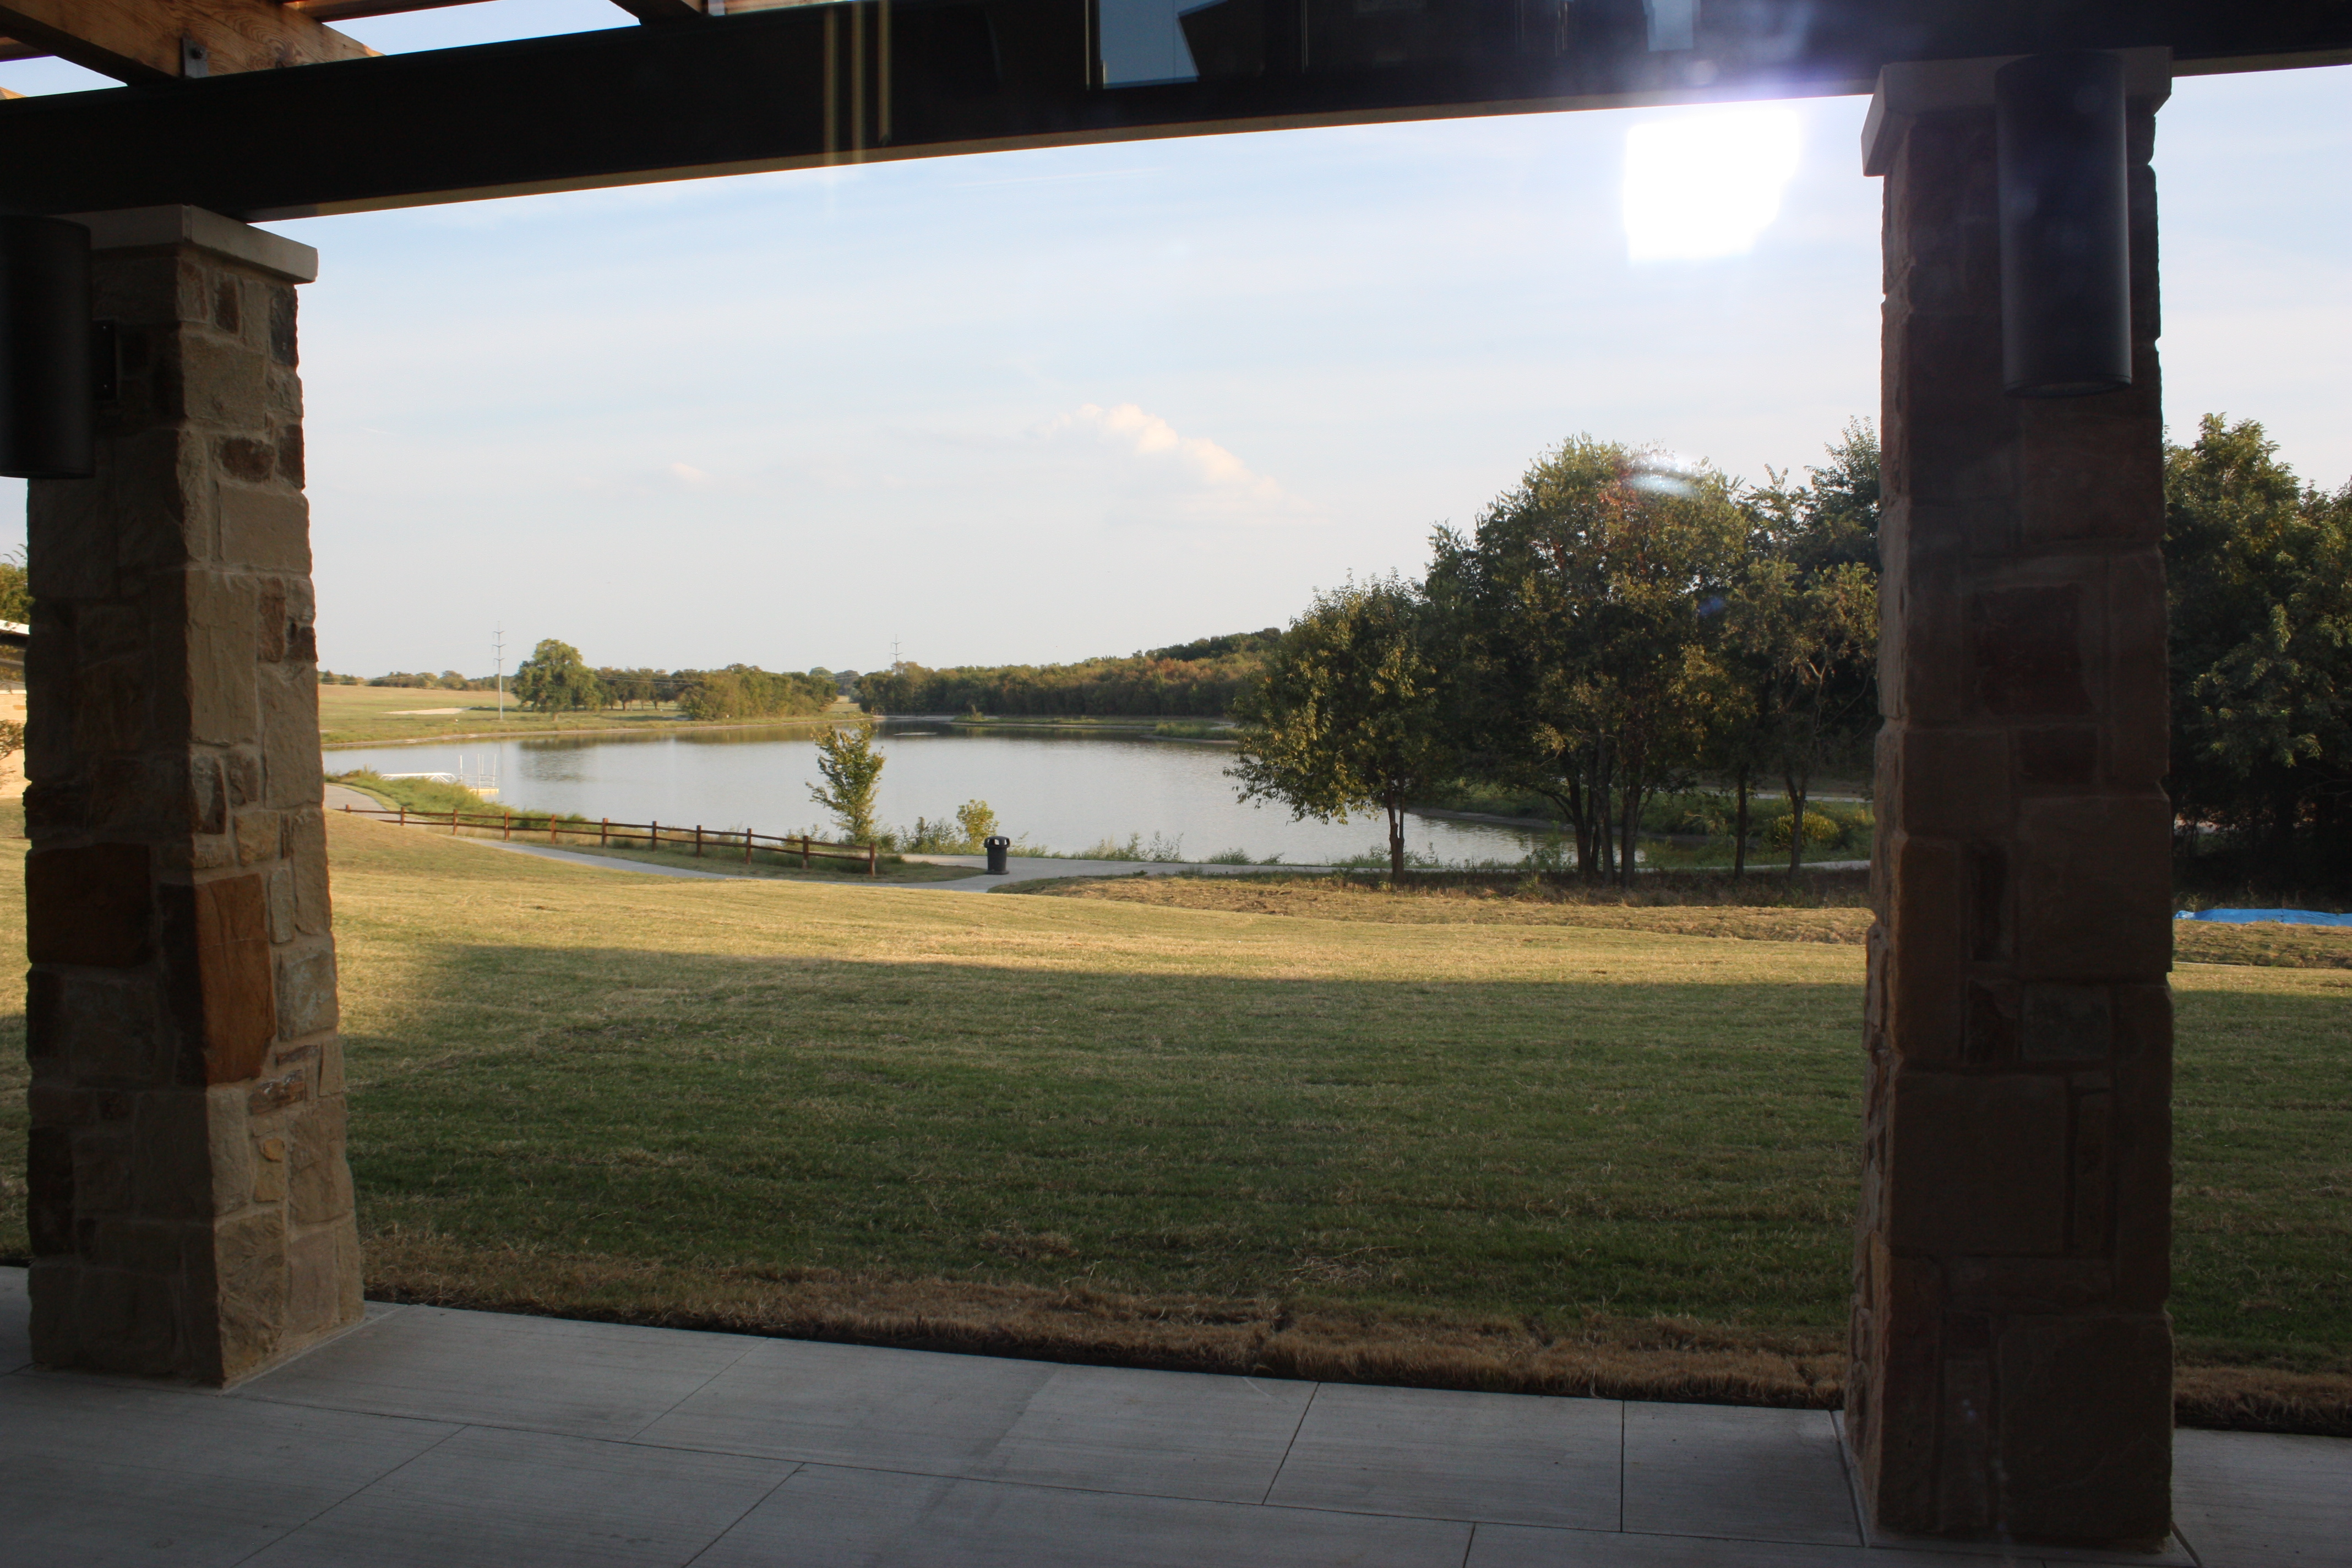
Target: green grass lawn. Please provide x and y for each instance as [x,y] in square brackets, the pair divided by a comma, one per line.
[581,1091]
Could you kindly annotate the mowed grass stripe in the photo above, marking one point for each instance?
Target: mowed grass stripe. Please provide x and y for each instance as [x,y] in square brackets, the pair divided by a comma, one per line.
[1158,1101]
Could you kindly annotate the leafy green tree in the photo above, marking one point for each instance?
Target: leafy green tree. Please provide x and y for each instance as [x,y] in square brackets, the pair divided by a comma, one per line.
[1351,714]
[627,688]
[1808,637]
[556,679]
[1736,745]
[747,692]
[1832,520]
[1581,605]
[1203,677]
[2260,573]
[15,589]
[1801,626]
[978,820]
[852,771]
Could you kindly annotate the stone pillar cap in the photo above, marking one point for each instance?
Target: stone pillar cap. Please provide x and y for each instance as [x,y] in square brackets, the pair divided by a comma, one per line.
[1912,88]
[151,228]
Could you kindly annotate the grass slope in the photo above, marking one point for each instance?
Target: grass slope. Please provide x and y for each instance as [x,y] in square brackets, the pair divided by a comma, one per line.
[1498,1153]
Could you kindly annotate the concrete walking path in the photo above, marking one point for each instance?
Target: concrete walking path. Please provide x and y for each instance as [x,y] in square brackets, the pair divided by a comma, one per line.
[1021,868]
[431,1439]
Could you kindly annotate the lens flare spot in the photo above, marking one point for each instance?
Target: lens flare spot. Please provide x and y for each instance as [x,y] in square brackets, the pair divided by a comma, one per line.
[1706,184]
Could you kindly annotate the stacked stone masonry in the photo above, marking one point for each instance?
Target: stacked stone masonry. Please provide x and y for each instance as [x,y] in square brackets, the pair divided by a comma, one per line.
[191,1208]
[2011,1357]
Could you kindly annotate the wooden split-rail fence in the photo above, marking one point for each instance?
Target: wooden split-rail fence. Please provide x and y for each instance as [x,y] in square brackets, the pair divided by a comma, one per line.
[652,835]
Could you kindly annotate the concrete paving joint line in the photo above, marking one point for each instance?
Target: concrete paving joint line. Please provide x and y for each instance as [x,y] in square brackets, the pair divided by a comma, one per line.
[433,1436]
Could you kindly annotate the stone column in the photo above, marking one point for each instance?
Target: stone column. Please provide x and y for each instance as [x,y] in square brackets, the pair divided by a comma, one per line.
[191,1210]
[2011,1357]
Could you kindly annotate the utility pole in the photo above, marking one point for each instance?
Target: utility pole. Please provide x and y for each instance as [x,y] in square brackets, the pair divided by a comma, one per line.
[500,643]
[894,659]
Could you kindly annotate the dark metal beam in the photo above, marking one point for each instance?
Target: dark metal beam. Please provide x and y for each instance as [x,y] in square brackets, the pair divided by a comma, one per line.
[808,85]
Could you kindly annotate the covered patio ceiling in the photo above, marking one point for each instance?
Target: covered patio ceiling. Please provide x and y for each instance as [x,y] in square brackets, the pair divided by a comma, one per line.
[260,108]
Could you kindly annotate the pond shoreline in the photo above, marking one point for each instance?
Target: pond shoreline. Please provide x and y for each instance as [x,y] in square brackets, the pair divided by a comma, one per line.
[681,727]
[1144,727]
[1077,791]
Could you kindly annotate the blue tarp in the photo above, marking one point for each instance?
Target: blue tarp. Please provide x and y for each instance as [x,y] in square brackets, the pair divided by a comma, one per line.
[2283,917]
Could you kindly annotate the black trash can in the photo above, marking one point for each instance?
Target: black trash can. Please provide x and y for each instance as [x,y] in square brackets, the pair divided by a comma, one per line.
[996,847]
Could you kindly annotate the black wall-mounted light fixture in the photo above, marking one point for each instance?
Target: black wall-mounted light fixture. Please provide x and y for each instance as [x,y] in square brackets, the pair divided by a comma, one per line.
[47,393]
[2066,230]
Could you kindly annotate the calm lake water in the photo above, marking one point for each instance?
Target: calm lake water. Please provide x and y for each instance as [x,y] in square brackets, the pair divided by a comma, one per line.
[1066,793]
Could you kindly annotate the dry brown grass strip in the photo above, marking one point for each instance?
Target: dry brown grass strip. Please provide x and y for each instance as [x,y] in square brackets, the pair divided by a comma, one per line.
[1662,1360]
[2264,1399]
[2267,943]
[1701,908]
[1823,907]
[1657,1358]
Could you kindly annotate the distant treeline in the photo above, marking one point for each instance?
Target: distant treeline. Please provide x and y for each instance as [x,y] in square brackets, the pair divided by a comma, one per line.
[448,680]
[1201,678]
[747,692]
[555,679]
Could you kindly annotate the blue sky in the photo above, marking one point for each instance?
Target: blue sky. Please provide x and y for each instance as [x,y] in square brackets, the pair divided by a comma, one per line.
[1044,404]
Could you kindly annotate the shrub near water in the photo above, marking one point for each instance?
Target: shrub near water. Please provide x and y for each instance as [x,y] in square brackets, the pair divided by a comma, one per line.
[434,797]
[417,795]
[1820,831]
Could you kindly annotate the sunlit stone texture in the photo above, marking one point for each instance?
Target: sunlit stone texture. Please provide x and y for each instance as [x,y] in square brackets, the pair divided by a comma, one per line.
[2011,1356]
[191,1209]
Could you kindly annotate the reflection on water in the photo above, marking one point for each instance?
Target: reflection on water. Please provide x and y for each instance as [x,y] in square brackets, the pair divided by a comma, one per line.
[1062,792]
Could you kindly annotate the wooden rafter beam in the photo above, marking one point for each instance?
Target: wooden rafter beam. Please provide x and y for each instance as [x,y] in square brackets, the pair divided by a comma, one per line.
[643,10]
[141,40]
[10,49]
[664,10]
[350,10]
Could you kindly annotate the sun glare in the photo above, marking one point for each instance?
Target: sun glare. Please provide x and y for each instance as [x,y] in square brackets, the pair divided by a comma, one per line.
[1705,184]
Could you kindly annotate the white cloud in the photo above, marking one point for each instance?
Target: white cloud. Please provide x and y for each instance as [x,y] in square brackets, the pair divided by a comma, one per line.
[1200,481]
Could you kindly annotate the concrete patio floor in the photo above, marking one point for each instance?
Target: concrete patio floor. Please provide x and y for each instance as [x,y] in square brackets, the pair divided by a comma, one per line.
[445,1440]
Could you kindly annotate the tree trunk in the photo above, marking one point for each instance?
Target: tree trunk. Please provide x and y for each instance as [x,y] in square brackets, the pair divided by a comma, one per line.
[1604,836]
[2285,810]
[1632,799]
[1739,831]
[1396,840]
[1797,791]
[1580,813]
[1569,807]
